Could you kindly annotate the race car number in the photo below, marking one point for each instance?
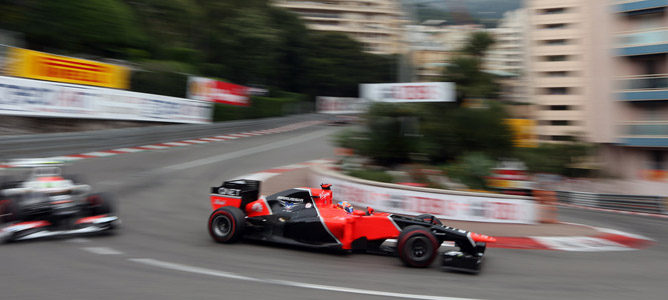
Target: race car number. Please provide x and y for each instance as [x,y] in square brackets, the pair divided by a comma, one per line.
[229,192]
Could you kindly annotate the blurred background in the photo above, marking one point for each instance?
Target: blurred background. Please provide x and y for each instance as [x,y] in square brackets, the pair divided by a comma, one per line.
[513,109]
[546,91]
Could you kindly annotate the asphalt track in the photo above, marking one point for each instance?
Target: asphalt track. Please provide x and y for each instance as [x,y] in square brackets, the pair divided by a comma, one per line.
[163,250]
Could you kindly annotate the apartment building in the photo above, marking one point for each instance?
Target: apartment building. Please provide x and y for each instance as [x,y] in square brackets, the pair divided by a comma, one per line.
[557,67]
[508,55]
[433,44]
[639,130]
[377,24]
[598,71]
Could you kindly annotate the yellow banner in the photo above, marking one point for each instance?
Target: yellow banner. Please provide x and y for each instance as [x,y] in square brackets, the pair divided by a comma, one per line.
[523,135]
[44,66]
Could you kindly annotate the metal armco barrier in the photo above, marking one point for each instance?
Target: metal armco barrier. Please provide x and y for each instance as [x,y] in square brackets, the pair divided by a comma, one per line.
[632,203]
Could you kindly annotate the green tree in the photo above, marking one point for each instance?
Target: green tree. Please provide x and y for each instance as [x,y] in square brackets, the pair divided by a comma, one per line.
[448,132]
[98,27]
[466,70]
[478,43]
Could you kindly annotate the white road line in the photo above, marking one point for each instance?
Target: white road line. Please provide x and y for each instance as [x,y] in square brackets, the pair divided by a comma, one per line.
[129,150]
[580,244]
[245,152]
[210,139]
[196,141]
[176,144]
[102,250]
[260,176]
[340,289]
[154,147]
[64,158]
[100,154]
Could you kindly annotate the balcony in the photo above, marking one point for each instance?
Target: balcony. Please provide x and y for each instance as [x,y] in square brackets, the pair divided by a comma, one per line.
[645,134]
[643,43]
[639,6]
[644,88]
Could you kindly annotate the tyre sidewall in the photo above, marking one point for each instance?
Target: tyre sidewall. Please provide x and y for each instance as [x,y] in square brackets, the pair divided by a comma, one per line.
[406,240]
[235,218]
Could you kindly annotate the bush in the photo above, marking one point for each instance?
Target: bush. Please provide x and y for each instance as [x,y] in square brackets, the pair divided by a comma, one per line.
[373,175]
[471,169]
[159,83]
[263,107]
[391,136]
[555,158]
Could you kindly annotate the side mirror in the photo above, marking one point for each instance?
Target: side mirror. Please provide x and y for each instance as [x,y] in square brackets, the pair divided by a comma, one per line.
[369,211]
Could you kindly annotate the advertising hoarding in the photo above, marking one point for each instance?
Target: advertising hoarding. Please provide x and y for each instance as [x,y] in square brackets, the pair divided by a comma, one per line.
[34,98]
[446,206]
[523,132]
[409,92]
[206,89]
[340,105]
[43,66]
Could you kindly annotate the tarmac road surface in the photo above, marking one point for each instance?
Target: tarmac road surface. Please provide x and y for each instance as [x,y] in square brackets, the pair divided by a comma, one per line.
[163,250]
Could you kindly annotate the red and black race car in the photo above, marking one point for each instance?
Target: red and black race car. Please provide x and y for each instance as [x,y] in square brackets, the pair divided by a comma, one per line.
[308,217]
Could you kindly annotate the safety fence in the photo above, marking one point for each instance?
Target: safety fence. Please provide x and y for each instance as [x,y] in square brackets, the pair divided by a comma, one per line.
[631,203]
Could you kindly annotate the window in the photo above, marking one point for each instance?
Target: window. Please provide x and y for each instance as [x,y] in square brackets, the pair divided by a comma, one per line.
[557,73]
[560,123]
[562,138]
[656,160]
[557,91]
[556,58]
[554,26]
[555,42]
[552,11]
[558,107]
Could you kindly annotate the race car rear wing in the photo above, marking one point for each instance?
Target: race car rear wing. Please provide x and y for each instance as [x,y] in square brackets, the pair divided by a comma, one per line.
[237,193]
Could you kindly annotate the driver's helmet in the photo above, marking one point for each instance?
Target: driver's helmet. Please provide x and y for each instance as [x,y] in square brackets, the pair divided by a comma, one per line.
[345,205]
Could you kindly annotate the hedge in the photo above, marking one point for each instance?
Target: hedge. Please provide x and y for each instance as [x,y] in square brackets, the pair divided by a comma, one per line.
[264,107]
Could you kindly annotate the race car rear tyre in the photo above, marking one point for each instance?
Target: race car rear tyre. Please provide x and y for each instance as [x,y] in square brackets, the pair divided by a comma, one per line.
[430,218]
[417,246]
[226,224]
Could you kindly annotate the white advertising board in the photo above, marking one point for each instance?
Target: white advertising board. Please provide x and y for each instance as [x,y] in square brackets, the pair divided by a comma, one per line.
[409,92]
[340,105]
[446,206]
[35,98]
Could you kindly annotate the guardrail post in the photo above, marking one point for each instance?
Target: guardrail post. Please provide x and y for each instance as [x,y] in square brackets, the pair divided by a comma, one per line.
[548,205]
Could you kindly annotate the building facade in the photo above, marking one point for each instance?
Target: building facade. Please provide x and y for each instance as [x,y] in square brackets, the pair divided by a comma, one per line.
[639,131]
[433,44]
[598,72]
[508,55]
[557,72]
[377,24]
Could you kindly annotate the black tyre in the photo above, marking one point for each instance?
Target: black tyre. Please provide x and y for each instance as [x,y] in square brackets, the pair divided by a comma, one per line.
[226,224]
[417,246]
[100,204]
[480,247]
[430,218]
[10,210]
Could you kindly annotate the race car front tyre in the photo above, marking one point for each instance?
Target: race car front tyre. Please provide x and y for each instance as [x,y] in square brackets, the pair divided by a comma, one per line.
[417,247]
[100,204]
[226,224]
[10,210]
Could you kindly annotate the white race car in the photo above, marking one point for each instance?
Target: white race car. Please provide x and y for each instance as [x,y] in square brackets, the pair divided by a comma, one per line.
[46,204]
